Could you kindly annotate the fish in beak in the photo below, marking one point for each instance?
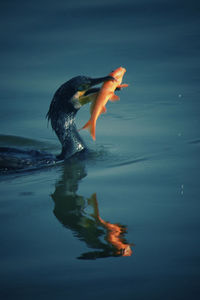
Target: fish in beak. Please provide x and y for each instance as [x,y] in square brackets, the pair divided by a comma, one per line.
[90,94]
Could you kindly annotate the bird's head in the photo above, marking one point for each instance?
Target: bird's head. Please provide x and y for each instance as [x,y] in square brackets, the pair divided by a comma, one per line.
[80,86]
[66,99]
[83,83]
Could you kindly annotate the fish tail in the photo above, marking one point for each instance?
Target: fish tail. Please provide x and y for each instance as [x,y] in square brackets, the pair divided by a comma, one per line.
[90,126]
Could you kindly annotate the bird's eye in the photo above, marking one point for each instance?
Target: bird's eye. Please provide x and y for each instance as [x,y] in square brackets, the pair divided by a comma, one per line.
[83,87]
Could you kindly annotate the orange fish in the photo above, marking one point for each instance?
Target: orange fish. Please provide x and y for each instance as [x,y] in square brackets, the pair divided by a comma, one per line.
[106,93]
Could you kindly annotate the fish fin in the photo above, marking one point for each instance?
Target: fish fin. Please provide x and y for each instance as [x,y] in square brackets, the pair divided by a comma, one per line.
[122,85]
[104,110]
[114,98]
[91,128]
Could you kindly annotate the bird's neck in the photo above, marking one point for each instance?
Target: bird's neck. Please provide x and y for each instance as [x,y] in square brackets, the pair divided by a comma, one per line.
[68,136]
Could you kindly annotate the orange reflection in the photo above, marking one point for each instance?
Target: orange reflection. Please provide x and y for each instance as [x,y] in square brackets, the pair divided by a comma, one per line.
[115,232]
[81,216]
[115,238]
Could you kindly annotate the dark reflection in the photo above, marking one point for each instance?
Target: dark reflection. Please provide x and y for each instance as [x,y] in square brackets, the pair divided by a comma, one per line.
[71,210]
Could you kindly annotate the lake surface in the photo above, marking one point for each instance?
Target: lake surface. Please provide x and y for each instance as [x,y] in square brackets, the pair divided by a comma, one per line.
[124,223]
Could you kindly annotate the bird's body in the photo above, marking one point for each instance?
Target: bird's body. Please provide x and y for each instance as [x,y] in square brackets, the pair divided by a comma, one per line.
[62,112]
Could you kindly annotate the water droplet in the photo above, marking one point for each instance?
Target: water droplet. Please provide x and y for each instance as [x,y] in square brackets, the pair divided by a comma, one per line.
[182,187]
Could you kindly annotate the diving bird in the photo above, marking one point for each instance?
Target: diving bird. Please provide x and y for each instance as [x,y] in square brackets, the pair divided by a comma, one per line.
[62,111]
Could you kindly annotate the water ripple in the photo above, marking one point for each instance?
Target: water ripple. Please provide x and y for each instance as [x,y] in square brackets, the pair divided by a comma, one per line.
[129,162]
[197,141]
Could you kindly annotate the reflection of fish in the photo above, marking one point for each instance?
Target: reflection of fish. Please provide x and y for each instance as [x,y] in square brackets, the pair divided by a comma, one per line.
[114,237]
[71,210]
[106,93]
[114,232]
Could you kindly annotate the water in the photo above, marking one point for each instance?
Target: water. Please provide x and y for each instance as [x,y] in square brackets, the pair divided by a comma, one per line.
[144,171]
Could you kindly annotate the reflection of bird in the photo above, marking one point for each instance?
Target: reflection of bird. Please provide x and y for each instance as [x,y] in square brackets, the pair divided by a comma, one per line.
[105,239]
[61,114]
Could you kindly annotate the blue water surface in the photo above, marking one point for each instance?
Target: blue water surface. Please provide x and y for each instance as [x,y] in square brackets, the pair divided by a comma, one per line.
[142,176]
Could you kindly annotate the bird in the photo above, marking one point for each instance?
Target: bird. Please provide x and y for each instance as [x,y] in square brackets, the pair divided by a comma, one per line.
[61,114]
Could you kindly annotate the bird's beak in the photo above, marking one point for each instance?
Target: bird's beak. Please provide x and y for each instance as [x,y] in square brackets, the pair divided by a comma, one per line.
[95,81]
